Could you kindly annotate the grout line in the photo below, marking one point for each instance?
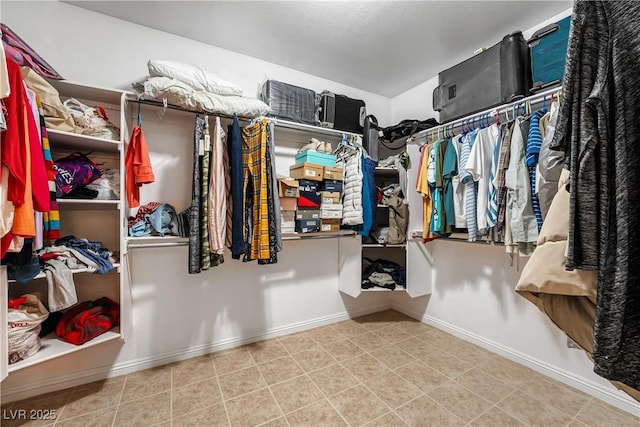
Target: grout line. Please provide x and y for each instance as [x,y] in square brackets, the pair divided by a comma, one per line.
[217,377]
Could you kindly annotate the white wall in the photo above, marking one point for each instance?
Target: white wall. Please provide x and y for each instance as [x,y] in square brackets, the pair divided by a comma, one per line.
[176,315]
[95,49]
[473,288]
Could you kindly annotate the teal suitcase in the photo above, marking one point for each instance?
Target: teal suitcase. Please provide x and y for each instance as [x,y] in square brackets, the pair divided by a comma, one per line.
[548,47]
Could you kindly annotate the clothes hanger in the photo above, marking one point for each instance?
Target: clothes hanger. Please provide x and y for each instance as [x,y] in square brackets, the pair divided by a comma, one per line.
[544,102]
[139,113]
[498,122]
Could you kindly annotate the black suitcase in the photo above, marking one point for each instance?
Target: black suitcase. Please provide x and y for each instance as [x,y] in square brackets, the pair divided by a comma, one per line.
[341,112]
[549,54]
[498,75]
[290,102]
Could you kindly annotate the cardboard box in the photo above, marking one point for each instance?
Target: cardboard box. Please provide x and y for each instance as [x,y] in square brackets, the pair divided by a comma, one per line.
[329,225]
[331,185]
[288,203]
[332,173]
[330,213]
[288,215]
[307,225]
[307,214]
[306,171]
[309,199]
[332,207]
[317,158]
[308,185]
[288,188]
[329,198]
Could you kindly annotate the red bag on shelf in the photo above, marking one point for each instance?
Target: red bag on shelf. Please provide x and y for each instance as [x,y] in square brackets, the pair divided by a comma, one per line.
[87,320]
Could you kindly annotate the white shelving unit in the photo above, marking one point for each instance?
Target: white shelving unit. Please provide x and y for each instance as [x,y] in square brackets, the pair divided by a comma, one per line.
[96,220]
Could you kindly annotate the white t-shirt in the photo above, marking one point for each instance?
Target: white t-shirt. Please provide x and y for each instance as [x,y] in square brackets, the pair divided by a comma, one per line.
[479,166]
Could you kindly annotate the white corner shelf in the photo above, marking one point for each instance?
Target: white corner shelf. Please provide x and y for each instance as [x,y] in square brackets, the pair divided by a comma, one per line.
[319,235]
[156,241]
[90,203]
[73,141]
[54,346]
[41,275]
[376,289]
[303,127]
[385,169]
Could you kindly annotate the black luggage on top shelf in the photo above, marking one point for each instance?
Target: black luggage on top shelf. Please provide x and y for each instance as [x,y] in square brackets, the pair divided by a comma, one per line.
[290,102]
[341,112]
[498,75]
[549,54]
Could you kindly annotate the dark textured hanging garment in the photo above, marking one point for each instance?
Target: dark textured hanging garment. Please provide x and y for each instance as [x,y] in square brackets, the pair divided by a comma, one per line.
[195,247]
[238,241]
[599,129]
[206,257]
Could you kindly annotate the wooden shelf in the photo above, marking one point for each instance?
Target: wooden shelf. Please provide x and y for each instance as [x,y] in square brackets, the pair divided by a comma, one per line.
[53,346]
[60,139]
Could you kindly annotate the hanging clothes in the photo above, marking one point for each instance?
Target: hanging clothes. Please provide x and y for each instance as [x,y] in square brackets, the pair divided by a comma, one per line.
[195,240]
[369,199]
[207,258]
[479,166]
[217,212]
[350,159]
[422,187]
[534,144]
[274,232]
[599,130]
[137,165]
[271,151]
[256,209]
[503,164]
[52,218]
[458,188]
[470,189]
[235,228]
[550,164]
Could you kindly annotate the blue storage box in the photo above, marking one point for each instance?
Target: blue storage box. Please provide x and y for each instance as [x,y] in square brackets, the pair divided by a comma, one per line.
[548,48]
[315,157]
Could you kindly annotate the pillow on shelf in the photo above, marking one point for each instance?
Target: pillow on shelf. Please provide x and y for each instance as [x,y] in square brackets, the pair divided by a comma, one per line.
[193,76]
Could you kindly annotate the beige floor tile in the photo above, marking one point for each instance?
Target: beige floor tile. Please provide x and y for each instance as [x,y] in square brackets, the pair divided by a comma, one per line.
[365,367]
[507,371]
[280,369]
[416,347]
[241,382]
[101,418]
[295,393]
[358,405]
[333,379]
[278,422]
[195,396]
[576,423]
[145,383]
[212,416]
[372,323]
[414,327]
[485,385]
[393,334]
[392,389]
[349,328]
[316,358]
[445,363]
[265,351]
[425,412]
[192,371]
[369,341]
[392,356]
[495,417]
[460,401]
[532,411]
[438,341]
[388,420]
[343,350]
[253,409]
[557,395]
[423,377]
[144,412]
[232,361]
[325,335]
[91,397]
[37,411]
[598,413]
[296,343]
[320,414]
[468,352]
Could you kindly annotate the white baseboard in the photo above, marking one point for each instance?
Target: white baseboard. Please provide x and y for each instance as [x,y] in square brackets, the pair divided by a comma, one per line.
[609,395]
[41,386]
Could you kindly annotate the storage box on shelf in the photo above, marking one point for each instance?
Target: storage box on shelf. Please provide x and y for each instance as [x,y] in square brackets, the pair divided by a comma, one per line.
[95,220]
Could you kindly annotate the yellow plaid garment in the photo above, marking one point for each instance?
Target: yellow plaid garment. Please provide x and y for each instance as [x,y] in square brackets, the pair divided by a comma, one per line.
[254,159]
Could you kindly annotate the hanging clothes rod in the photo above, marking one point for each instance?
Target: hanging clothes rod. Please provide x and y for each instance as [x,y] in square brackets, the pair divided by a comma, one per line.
[303,127]
[508,111]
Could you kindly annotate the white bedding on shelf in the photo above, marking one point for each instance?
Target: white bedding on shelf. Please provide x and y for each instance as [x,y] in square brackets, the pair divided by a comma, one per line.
[180,94]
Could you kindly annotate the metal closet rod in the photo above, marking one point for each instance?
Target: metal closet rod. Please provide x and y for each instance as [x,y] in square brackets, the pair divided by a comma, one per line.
[508,110]
[279,122]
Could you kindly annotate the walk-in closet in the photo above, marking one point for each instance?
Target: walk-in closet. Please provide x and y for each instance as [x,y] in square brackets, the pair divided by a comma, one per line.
[346,213]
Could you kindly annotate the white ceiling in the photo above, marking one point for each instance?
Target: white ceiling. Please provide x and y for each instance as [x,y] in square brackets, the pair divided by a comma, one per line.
[384,47]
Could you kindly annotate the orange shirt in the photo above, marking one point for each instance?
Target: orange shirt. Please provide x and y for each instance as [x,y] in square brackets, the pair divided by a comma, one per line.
[137,167]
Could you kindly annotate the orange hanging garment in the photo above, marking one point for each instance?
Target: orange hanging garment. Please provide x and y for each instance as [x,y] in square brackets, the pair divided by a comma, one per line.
[137,165]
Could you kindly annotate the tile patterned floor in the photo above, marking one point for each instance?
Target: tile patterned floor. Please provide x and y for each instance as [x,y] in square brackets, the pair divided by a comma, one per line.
[384,369]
